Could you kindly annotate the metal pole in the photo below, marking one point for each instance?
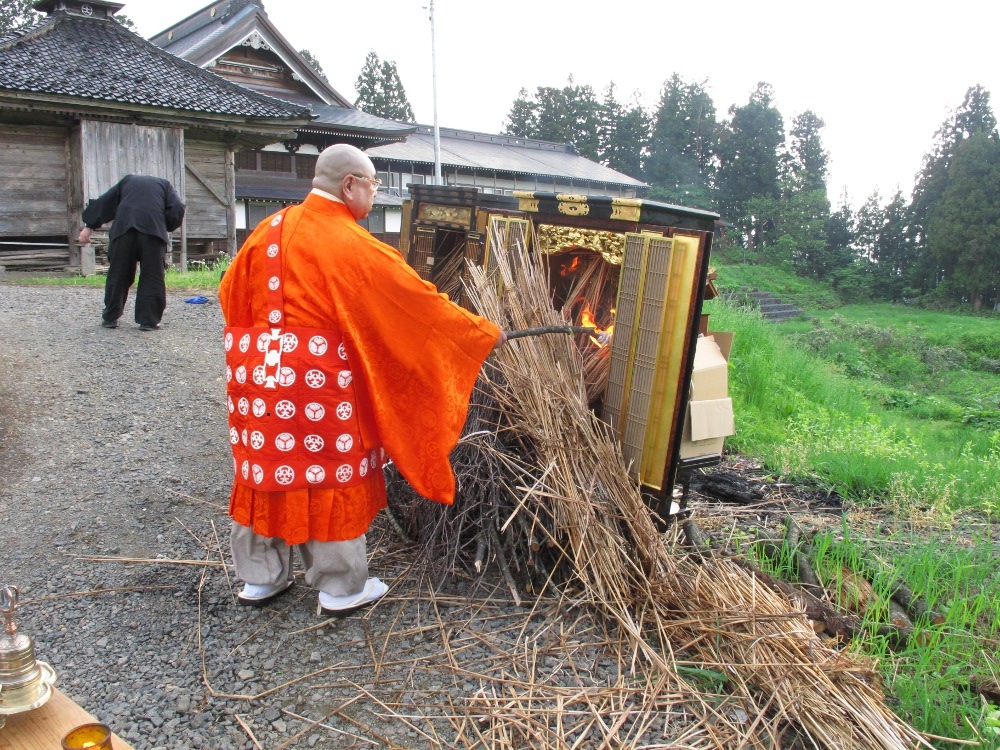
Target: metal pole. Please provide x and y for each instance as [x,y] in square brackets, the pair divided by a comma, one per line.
[437,132]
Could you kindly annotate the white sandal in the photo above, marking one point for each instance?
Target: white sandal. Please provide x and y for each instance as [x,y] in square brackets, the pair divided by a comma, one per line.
[259,594]
[341,606]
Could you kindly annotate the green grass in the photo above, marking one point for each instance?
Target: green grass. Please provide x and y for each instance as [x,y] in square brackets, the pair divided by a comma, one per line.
[199,276]
[930,680]
[932,677]
[868,412]
[897,409]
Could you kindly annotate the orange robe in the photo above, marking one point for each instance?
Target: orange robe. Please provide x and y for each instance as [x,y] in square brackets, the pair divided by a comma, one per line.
[414,354]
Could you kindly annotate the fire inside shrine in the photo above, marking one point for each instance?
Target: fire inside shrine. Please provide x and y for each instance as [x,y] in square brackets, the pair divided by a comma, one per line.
[633,270]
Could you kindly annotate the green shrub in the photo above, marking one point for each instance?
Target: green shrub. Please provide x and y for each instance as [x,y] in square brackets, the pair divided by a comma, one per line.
[853,284]
[941,358]
[988,364]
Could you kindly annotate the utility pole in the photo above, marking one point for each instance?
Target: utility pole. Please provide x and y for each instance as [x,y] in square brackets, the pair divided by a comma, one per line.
[437,132]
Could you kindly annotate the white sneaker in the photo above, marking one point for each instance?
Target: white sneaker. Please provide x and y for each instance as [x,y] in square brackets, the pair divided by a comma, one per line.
[259,594]
[341,606]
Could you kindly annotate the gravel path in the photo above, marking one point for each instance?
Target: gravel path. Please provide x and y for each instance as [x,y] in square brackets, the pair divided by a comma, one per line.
[113,443]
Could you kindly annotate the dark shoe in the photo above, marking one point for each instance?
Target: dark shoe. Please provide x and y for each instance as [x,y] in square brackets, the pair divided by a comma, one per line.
[147,327]
[109,324]
[257,595]
[342,606]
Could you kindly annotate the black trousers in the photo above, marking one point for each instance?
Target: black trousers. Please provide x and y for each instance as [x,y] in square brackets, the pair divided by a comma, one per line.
[124,253]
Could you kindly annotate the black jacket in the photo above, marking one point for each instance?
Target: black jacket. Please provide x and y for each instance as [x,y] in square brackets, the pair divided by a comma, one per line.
[147,204]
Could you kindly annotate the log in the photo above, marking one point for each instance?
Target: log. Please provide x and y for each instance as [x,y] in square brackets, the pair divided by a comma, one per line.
[836,623]
[898,616]
[839,624]
[727,487]
[550,329]
[502,562]
[480,551]
[988,687]
[915,606]
[855,593]
[801,557]
[696,538]
[767,547]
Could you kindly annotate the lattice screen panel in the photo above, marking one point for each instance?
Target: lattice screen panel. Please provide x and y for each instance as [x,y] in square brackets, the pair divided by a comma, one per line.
[615,398]
[666,405]
[474,244]
[642,292]
[647,349]
[422,256]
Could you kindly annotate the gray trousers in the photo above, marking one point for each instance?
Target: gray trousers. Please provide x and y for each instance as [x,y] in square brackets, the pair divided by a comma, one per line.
[338,568]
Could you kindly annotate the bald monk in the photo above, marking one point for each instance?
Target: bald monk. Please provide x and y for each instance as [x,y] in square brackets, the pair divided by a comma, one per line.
[337,356]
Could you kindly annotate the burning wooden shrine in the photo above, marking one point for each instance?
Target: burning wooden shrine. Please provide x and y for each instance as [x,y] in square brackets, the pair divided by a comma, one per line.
[635,270]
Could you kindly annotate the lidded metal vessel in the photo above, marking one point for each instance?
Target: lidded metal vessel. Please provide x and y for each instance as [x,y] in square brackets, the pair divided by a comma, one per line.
[25,682]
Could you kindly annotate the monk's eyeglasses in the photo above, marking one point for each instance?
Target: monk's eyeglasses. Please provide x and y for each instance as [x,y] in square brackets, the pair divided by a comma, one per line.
[375,181]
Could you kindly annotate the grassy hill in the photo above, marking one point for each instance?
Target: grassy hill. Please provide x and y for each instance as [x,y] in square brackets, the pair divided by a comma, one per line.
[881,402]
[897,409]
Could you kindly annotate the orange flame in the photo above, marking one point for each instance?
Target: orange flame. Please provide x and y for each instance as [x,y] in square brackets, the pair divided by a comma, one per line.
[587,320]
[568,269]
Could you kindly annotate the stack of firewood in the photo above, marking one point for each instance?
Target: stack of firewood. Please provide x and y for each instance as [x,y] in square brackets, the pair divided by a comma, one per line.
[544,492]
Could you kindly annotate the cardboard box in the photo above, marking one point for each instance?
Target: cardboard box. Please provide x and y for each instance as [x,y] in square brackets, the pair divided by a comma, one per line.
[709,418]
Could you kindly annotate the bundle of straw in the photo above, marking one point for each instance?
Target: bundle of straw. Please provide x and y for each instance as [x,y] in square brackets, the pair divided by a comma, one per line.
[659,596]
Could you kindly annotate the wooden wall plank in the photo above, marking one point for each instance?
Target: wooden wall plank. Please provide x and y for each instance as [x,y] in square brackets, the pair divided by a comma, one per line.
[111,150]
[33,188]
[207,215]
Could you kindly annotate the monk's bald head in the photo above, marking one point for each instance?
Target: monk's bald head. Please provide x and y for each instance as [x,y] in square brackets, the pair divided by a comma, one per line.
[335,163]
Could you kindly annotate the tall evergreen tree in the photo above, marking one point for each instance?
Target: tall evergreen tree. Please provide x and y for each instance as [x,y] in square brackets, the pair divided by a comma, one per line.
[964,229]
[838,253]
[571,114]
[381,92]
[884,247]
[397,106]
[369,85]
[809,158]
[553,118]
[609,115]
[749,162]
[585,111]
[867,225]
[632,140]
[973,116]
[522,120]
[893,253]
[680,165]
[310,58]
[794,225]
[623,134]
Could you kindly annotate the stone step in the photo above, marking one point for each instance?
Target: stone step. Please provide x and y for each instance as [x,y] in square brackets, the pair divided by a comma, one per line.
[771,307]
[784,315]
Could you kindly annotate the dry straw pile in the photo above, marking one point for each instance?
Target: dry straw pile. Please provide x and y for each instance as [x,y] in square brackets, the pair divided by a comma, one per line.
[544,491]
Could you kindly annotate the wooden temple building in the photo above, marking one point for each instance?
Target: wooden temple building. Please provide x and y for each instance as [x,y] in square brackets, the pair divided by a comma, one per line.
[237,40]
[223,106]
[84,101]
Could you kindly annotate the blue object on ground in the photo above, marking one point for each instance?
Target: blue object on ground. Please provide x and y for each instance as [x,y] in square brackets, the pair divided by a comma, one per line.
[199,300]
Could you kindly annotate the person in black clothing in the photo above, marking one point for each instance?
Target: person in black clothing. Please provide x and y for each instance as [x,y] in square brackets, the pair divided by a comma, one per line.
[143,209]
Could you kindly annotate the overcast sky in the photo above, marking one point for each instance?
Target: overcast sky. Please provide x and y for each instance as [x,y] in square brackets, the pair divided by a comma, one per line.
[882,74]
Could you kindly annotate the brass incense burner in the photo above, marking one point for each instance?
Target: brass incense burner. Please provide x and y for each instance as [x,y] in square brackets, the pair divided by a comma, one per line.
[25,683]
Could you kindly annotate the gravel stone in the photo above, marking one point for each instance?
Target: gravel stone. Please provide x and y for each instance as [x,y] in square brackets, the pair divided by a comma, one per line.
[115,474]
